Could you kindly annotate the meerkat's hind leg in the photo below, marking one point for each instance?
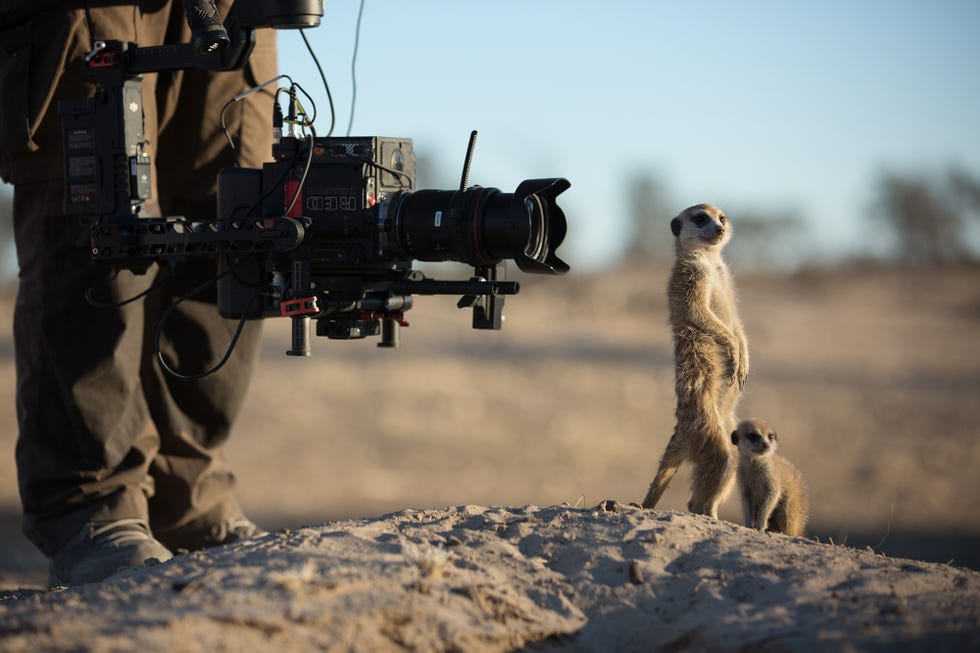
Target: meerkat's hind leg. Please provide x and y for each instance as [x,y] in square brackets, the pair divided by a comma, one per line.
[795,518]
[674,455]
[794,526]
[712,481]
[778,519]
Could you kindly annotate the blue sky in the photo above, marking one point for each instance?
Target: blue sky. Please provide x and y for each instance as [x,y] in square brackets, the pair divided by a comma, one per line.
[754,106]
[750,105]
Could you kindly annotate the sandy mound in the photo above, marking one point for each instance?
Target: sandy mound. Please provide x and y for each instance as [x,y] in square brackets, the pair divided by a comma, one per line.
[471,578]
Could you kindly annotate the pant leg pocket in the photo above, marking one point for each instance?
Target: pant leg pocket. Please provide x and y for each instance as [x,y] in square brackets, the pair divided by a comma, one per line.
[15,51]
[33,57]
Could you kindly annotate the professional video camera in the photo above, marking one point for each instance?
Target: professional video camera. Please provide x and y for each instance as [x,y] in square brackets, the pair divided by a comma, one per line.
[328,231]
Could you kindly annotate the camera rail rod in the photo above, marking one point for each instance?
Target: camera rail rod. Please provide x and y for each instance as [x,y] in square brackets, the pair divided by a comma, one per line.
[177,237]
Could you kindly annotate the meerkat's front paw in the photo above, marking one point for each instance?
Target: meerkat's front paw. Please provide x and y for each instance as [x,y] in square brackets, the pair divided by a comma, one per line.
[733,370]
[743,370]
[741,376]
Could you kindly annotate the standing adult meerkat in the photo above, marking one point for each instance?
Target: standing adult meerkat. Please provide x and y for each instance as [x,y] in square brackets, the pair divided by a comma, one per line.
[774,496]
[711,359]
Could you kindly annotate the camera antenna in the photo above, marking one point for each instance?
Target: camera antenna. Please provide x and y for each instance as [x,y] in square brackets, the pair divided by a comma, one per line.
[464,183]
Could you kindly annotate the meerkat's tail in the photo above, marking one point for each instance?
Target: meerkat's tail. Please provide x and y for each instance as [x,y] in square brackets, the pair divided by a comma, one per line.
[658,486]
[669,463]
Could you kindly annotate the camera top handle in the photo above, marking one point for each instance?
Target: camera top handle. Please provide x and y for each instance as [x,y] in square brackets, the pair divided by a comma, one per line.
[224,44]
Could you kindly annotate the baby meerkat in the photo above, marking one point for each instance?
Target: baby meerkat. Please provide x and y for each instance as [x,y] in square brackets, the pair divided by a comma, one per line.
[774,496]
[711,358]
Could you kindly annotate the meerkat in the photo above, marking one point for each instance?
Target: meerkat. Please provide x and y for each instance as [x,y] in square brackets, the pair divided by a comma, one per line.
[711,358]
[774,496]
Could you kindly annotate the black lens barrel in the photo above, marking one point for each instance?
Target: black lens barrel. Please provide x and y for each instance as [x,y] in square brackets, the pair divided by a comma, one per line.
[481,226]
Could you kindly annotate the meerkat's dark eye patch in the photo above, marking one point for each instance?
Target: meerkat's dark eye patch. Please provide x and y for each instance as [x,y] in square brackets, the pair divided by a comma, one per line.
[772,437]
[722,219]
[700,219]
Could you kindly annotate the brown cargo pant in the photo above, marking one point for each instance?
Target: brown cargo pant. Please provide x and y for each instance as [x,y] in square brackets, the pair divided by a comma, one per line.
[104,433]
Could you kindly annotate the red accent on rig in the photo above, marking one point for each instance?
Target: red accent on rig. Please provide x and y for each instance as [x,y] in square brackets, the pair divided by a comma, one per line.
[290,189]
[298,306]
[105,60]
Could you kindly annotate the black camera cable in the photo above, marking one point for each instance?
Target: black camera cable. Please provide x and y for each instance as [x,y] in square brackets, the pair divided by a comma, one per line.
[242,96]
[231,345]
[296,107]
[92,301]
[374,164]
[326,86]
[353,67]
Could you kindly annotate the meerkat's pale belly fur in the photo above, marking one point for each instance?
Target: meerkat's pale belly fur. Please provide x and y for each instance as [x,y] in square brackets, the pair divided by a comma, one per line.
[710,352]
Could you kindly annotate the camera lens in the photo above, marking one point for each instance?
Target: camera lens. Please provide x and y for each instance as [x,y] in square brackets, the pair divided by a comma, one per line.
[538,229]
[479,226]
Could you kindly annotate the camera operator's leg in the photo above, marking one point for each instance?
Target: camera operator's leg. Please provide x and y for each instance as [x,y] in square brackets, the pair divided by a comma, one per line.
[85,440]
[195,505]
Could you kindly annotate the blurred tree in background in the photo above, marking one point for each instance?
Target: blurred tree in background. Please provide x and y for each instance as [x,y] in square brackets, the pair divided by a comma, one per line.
[966,190]
[765,239]
[650,210]
[927,215]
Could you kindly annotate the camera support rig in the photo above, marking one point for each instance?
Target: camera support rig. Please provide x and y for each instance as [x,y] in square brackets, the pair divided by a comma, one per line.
[332,240]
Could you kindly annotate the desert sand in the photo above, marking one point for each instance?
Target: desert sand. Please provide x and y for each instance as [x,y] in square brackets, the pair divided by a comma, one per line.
[371,467]
[611,578]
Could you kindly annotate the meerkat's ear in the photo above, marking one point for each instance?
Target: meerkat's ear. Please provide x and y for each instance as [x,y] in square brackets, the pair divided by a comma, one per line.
[675,226]
[734,437]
